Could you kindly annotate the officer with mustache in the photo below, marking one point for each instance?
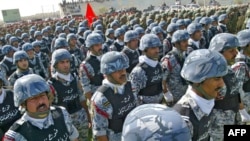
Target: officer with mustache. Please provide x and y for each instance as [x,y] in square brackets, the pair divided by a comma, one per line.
[204,81]
[40,121]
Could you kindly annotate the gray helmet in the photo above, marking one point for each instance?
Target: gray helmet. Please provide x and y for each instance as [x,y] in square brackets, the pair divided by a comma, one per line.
[149,21]
[109,31]
[187,21]
[155,122]
[140,30]
[36,43]
[156,30]
[58,29]
[18,55]
[174,20]
[86,34]
[27,46]
[38,33]
[172,27]
[32,31]
[197,19]
[203,64]
[65,27]
[244,37]
[13,39]
[193,27]
[150,27]
[149,41]
[62,35]
[222,17]
[7,48]
[58,55]
[81,29]
[180,22]
[125,27]
[29,86]
[130,35]
[180,35]
[24,35]
[98,27]
[18,31]
[113,61]
[7,37]
[162,24]
[223,41]
[119,32]
[205,21]
[93,39]
[71,36]
[44,30]
[214,18]
[60,42]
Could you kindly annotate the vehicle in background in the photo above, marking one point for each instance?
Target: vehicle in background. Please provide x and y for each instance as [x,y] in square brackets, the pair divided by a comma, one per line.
[192,6]
[214,3]
[177,7]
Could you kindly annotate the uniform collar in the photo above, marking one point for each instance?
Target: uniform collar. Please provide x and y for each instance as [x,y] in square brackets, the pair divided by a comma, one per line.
[148,61]
[40,123]
[117,88]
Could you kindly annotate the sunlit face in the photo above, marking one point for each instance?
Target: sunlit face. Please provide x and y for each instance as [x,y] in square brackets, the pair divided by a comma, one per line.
[23,64]
[39,103]
[197,35]
[133,44]
[63,66]
[96,49]
[118,77]
[152,53]
[230,54]
[211,86]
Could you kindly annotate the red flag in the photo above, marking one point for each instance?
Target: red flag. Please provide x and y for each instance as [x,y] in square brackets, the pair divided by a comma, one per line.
[90,14]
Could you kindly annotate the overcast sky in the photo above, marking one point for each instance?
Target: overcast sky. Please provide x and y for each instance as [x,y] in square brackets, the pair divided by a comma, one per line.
[29,7]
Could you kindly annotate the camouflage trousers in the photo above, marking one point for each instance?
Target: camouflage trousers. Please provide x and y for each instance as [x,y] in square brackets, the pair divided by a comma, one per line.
[80,121]
[246,101]
[218,120]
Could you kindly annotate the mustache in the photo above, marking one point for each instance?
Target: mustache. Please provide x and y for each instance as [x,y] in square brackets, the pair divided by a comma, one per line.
[41,105]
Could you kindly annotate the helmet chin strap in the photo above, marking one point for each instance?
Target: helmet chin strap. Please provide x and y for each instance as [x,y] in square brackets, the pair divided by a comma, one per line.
[201,90]
[39,115]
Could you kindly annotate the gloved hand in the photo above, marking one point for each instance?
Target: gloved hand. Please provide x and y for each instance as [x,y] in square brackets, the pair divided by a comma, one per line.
[245,117]
[168,97]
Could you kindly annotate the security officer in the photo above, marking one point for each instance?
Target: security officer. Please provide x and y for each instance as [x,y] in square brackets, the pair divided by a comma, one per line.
[223,20]
[158,32]
[40,121]
[167,124]
[228,102]
[21,60]
[90,75]
[8,113]
[13,41]
[61,43]
[34,61]
[109,39]
[73,47]
[214,25]
[204,85]
[114,99]
[45,58]
[25,38]
[68,91]
[119,42]
[206,33]
[194,42]
[131,49]
[167,43]
[242,63]
[172,63]
[6,64]
[44,46]
[146,77]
